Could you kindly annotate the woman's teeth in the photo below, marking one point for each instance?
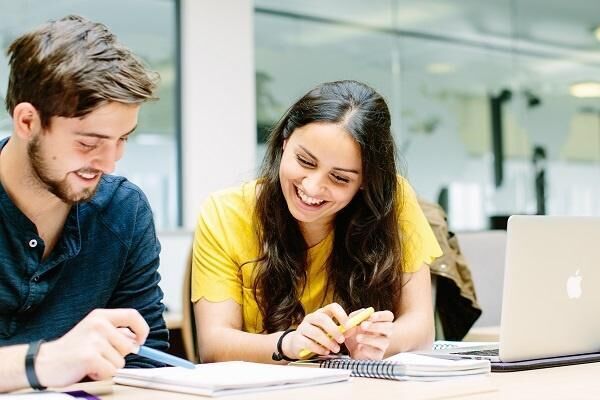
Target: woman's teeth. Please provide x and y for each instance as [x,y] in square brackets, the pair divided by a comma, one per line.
[311,201]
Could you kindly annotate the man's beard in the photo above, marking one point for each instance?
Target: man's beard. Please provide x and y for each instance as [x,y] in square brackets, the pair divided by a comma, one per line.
[59,188]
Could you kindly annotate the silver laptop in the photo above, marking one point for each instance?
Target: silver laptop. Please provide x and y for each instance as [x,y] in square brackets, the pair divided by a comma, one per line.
[551,297]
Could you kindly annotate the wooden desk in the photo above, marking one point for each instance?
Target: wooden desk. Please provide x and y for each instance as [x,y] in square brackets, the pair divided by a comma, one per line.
[356,389]
[572,382]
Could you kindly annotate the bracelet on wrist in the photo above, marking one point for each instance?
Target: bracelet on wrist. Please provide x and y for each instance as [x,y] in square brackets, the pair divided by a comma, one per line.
[278,356]
[32,352]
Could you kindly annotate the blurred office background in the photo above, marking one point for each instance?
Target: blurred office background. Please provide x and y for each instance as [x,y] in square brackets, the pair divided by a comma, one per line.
[476,89]
[495,103]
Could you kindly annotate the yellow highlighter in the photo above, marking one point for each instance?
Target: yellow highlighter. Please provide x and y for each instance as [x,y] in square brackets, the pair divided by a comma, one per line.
[351,323]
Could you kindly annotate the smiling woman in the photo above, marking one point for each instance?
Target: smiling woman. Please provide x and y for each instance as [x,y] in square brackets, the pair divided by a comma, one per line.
[319,175]
[329,228]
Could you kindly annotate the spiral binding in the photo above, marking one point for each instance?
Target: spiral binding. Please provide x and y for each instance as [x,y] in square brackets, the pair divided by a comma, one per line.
[443,346]
[364,368]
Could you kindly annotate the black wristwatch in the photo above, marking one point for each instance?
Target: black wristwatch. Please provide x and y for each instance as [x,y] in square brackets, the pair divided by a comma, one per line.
[32,351]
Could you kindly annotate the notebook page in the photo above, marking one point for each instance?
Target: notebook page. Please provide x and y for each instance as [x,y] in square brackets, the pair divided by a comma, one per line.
[231,375]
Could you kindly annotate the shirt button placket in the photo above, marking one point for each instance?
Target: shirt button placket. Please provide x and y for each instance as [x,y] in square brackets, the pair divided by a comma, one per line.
[35,278]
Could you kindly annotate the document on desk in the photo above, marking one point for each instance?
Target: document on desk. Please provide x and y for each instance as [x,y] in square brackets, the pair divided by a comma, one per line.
[228,378]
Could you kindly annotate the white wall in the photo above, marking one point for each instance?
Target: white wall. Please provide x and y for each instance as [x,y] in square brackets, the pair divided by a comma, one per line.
[218,100]
[218,118]
[174,254]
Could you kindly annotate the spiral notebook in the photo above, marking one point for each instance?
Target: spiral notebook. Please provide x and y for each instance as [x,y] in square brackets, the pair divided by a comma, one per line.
[403,366]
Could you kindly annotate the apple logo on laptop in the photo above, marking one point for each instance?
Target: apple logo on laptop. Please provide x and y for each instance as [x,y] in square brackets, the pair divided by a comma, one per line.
[574,286]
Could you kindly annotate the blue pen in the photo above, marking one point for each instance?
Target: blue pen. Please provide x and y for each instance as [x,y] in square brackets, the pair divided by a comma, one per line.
[160,356]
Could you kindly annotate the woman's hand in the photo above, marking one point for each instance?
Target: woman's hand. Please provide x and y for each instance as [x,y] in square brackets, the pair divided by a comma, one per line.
[370,340]
[318,332]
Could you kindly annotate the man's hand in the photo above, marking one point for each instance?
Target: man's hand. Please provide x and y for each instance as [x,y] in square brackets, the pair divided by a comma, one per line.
[95,347]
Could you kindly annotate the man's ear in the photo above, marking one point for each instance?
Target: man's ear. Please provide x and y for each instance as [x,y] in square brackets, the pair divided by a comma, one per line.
[26,121]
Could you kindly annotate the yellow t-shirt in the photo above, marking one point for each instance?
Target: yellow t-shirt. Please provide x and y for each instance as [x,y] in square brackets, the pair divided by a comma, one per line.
[225,241]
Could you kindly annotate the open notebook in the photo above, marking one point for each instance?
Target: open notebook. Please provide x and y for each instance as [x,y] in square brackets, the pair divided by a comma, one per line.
[404,366]
[227,378]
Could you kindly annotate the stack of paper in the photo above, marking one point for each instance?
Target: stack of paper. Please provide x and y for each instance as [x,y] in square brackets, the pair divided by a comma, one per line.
[225,378]
[419,367]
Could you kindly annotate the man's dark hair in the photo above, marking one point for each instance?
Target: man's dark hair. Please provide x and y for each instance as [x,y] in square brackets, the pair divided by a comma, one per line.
[69,67]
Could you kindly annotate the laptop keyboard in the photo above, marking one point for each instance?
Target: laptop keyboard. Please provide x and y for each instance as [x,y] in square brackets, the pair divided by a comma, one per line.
[484,353]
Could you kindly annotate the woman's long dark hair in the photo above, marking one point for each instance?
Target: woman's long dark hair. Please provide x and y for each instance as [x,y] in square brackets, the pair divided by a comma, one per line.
[364,268]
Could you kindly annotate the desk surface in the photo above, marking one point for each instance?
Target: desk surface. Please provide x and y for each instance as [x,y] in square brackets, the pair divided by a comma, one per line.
[576,381]
[572,382]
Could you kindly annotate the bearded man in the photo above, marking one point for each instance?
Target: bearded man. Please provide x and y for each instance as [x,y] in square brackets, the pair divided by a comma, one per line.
[78,249]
